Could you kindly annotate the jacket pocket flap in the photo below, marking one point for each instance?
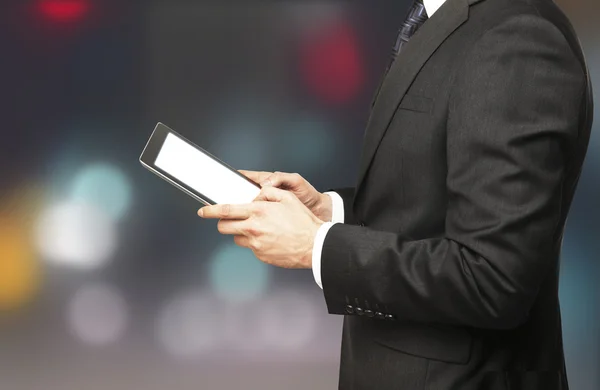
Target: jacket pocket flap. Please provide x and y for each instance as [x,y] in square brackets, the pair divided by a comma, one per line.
[435,342]
[417,103]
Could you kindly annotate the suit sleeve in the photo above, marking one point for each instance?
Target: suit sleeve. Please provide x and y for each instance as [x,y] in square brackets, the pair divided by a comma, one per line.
[347,195]
[512,117]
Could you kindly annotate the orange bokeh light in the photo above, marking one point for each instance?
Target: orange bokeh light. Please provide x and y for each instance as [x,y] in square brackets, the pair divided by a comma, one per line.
[20,271]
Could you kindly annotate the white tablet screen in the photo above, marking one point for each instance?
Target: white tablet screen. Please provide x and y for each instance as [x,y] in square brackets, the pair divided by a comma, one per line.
[205,175]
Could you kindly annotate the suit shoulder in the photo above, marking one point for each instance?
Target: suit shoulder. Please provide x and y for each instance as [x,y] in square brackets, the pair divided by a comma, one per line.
[526,24]
[494,13]
[527,17]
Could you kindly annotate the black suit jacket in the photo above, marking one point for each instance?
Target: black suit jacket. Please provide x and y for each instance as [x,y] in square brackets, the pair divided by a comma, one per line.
[447,265]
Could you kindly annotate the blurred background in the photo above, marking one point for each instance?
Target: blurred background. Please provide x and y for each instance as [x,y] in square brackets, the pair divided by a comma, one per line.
[108,279]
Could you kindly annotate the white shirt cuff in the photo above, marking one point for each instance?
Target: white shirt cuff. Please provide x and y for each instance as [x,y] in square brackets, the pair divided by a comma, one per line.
[337,205]
[337,216]
[318,249]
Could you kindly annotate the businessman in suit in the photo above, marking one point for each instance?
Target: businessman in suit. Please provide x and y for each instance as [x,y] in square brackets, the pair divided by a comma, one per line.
[444,258]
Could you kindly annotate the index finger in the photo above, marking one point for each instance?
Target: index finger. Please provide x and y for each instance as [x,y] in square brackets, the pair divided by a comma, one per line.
[226,211]
[256,176]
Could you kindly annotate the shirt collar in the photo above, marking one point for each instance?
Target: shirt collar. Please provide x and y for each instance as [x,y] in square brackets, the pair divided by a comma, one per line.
[431,6]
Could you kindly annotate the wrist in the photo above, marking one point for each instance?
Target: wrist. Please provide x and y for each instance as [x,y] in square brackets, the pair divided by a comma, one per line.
[308,256]
[325,208]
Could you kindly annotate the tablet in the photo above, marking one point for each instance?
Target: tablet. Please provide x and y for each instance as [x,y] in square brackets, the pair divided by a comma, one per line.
[195,171]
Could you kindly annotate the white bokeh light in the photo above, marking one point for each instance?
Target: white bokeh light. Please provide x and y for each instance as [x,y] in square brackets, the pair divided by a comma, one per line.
[241,327]
[189,325]
[77,235]
[98,315]
[105,186]
[288,321]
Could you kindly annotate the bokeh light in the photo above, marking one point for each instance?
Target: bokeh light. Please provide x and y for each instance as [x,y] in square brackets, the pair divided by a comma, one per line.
[98,314]
[104,186]
[242,327]
[20,270]
[579,309]
[593,159]
[577,286]
[237,275]
[189,325]
[20,274]
[311,145]
[63,11]
[241,143]
[331,64]
[242,128]
[76,235]
[288,321]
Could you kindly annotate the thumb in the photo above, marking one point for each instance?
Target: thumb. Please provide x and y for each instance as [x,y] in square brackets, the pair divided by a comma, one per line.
[272,194]
[283,180]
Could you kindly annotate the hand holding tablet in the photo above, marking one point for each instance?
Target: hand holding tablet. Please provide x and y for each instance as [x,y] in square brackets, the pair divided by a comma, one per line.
[282,233]
[195,171]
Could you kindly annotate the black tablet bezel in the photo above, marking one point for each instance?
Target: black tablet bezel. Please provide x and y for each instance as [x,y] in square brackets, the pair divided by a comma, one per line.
[153,147]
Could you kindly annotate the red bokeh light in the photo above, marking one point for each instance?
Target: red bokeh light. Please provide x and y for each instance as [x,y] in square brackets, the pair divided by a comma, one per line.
[64,10]
[331,64]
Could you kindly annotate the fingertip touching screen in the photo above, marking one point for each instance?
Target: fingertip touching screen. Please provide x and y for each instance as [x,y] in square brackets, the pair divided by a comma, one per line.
[203,174]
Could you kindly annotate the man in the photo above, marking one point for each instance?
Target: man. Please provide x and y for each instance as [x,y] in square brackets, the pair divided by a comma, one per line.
[444,258]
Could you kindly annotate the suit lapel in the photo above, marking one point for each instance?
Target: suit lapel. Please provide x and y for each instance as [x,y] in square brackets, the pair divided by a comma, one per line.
[404,70]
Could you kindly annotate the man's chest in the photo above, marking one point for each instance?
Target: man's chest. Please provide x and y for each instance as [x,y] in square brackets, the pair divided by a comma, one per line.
[405,184]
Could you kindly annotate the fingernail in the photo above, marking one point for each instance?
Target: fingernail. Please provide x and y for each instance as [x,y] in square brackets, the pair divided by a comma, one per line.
[201,212]
[266,183]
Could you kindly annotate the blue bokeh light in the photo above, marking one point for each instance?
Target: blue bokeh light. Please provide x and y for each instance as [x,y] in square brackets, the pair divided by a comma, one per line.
[240,142]
[104,186]
[242,128]
[308,145]
[237,275]
[578,302]
[577,293]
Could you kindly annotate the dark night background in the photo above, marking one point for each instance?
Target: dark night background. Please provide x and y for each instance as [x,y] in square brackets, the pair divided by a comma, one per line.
[108,279]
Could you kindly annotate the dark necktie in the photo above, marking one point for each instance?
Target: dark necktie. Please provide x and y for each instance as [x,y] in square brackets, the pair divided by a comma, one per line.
[415,19]
[417,16]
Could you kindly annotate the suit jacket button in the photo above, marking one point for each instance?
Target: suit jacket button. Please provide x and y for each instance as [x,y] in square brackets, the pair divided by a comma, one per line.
[369,313]
[359,311]
[380,316]
[350,309]
[390,317]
